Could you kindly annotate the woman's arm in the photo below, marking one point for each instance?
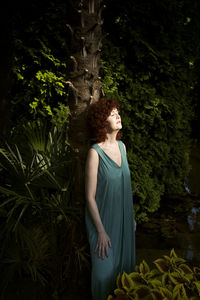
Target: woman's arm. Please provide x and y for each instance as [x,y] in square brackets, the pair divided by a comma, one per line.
[91,171]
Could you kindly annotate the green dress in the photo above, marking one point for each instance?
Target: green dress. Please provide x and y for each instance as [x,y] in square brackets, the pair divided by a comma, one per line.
[115,204]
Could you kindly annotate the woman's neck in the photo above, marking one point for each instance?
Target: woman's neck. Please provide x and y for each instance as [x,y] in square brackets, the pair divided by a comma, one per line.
[111,138]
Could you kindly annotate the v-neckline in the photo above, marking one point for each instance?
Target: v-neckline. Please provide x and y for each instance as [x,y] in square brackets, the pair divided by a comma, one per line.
[110,157]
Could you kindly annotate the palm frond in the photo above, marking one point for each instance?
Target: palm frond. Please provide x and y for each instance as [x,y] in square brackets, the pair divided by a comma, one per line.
[36,135]
[20,161]
[8,158]
[20,216]
[35,204]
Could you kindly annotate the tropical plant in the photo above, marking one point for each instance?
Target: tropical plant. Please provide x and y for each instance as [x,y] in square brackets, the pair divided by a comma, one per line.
[39,226]
[171,279]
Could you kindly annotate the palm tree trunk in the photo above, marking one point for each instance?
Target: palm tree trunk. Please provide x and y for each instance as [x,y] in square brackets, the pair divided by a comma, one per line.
[83,81]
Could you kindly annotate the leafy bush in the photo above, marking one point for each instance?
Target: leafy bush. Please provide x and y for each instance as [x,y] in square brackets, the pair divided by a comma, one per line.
[147,67]
[172,279]
[39,63]
[39,225]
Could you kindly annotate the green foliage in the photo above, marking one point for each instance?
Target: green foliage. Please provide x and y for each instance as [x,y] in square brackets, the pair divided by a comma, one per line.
[60,118]
[39,66]
[171,279]
[39,225]
[147,67]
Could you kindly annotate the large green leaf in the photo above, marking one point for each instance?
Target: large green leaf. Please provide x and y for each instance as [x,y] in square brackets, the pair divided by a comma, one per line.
[185,268]
[156,294]
[155,283]
[166,293]
[197,284]
[162,265]
[177,278]
[136,278]
[143,267]
[127,282]
[179,292]
[173,253]
[142,291]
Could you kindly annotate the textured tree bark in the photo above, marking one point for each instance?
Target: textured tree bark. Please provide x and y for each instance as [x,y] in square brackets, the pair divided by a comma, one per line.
[84,84]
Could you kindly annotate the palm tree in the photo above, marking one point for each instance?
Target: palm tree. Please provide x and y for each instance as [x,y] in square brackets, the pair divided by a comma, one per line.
[85,37]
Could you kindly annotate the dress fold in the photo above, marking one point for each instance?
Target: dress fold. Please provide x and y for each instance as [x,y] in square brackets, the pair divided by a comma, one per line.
[114,199]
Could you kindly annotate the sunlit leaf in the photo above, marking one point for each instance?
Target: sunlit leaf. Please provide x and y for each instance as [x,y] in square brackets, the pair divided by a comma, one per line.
[119,292]
[153,274]
[162,265]
[197,284]
[127,283]
[136,278]
[172,253]
[186,269]
[155,283]
[196,270]
[167,258]
[176,278]
[165,279]
[179,292]
[142,291]
[143,267]
[166,293]
[119,281]
[178,260]
[156,295]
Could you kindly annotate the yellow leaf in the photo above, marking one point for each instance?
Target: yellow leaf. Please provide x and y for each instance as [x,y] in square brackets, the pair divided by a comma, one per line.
[179,292]
[155,283]
[156,295]
[162,265]
[144,268]
[127,283]
[118,281]
[196,270]
[173,253]
[166,293]
[197,283]
[176,278]
[165,279]
[142,291]
[155,273]
[136,278]
[119,292]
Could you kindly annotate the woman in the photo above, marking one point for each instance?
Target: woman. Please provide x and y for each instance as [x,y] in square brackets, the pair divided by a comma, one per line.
[109,210]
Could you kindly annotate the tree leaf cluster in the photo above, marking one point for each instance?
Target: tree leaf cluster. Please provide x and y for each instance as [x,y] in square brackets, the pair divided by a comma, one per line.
[39,64]
[147,66]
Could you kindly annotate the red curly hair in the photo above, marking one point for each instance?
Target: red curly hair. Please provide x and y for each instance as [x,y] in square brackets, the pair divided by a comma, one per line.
[97,115]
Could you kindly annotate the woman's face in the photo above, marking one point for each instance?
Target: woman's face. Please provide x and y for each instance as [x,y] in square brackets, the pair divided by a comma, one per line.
[114,120]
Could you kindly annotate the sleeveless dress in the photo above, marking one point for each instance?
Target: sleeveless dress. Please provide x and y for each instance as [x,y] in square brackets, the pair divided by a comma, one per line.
[115,204]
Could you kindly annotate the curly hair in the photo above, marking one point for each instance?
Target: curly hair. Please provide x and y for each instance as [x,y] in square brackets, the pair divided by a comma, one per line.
[97,118]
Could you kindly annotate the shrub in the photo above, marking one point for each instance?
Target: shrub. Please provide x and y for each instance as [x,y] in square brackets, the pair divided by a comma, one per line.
[171,279]
[39,225]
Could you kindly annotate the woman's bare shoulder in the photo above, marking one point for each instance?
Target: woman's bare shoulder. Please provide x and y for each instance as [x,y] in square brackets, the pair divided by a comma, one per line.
[92,160]
[92,151]
[92,154]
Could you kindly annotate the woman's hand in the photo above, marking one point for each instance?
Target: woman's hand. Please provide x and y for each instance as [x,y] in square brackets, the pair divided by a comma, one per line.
[103,242]
[135,224]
